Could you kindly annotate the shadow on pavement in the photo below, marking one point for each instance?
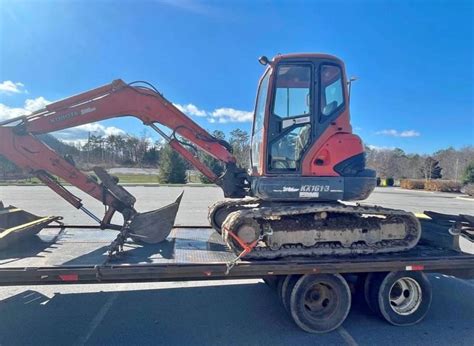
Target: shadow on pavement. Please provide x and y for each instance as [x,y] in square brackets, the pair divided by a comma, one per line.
[232,314]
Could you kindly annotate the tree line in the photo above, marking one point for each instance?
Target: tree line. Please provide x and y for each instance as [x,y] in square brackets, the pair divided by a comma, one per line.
[136,151]
[139,151]
[449,164]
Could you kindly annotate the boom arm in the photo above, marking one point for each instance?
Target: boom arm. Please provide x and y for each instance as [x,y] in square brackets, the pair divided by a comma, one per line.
[19,144]
[120,99]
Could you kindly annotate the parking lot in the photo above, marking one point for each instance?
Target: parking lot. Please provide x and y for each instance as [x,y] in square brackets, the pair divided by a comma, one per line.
[225,312]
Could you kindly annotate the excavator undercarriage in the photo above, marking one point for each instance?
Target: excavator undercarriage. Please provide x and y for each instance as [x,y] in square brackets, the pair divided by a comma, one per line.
[290,229]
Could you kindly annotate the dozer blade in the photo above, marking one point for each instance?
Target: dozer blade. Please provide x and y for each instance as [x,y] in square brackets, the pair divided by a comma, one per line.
[17,224]
[154,226]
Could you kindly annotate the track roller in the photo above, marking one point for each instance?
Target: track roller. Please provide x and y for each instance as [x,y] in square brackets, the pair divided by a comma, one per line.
[401,298]
[320,303]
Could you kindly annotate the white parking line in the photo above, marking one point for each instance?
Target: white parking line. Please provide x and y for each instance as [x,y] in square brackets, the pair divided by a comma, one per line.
[98,318]
[34,299]
[346,336]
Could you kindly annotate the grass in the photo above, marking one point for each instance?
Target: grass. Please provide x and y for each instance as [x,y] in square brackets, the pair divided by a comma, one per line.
[137,178]
[123,179]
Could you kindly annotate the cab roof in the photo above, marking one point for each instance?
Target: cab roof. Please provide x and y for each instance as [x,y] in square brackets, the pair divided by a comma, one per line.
[305,56]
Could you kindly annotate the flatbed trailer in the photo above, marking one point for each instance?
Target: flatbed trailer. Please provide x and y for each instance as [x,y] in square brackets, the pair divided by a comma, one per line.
[78,254]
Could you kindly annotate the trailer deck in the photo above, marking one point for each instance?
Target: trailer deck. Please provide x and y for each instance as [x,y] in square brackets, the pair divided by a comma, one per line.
[79,255]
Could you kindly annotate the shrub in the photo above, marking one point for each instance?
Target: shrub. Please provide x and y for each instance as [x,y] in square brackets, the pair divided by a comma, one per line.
[468,176]
[389,181]
[469,189]
[412,184]
[172,167]
[443,185]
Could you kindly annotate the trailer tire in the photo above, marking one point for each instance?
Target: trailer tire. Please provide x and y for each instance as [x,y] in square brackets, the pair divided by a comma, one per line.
[286,289]
[279,287]
[320,303]
[371,291]
[404,298]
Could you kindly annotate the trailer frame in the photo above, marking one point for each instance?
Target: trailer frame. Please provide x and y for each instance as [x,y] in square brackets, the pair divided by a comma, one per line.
[426,256]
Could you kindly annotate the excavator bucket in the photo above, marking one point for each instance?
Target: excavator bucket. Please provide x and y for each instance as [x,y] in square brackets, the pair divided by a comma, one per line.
[154,226]
[17,224]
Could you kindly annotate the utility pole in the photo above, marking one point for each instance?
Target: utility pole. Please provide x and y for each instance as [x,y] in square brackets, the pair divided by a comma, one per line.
[456,170]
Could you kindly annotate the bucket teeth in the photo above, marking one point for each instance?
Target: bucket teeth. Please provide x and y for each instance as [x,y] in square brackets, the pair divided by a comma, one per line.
[154,226]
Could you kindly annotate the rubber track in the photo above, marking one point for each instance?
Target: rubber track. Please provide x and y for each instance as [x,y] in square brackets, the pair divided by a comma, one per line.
[236,217]
[229,203]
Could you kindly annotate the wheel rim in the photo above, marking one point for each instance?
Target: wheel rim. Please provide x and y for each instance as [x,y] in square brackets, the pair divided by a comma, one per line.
[320,301]
[405,296]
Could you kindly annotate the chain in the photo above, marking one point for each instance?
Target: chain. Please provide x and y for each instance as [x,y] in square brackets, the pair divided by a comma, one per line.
[117,244]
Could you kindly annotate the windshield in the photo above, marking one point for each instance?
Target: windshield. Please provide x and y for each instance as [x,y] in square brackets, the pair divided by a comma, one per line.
[257,137]
[261,102]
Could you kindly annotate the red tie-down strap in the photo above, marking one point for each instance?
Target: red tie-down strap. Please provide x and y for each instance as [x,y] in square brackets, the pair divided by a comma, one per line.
[246,247]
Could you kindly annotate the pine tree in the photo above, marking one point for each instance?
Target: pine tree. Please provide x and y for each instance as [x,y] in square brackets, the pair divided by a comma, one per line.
[240,142]
[431,169]
[468,176]
[172,167]
[215,166]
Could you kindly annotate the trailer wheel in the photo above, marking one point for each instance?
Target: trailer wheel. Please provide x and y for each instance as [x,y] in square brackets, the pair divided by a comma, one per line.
[279,286]
[320,303]
[287,286]
[404,298]
[371,288]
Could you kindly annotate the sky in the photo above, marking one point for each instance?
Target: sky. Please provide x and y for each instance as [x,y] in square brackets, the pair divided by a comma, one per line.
[413,60]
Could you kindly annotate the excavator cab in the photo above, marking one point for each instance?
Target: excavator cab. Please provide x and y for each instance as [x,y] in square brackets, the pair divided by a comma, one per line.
[302,146]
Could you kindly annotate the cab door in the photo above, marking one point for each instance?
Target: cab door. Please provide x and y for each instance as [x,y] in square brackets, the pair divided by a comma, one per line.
[290,119]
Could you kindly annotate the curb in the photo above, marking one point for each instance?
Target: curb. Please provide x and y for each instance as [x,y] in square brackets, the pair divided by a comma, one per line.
[466,198]
[128,184]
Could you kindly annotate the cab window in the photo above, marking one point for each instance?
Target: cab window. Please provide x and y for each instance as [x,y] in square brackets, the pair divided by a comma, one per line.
[332,96]
[257,136]
[292,91]
[261,102]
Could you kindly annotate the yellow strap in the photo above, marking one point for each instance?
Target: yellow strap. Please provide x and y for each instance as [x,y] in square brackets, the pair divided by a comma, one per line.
[7,210]
[23,226]
[422,216]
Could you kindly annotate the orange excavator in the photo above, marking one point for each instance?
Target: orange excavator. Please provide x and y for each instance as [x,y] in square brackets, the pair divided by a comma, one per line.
[305,160]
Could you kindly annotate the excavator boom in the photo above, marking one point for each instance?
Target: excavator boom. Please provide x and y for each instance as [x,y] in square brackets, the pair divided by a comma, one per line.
[19,144]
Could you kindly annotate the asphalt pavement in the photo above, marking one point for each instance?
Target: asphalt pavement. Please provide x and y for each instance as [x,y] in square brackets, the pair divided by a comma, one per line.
[243,312]
[193,211]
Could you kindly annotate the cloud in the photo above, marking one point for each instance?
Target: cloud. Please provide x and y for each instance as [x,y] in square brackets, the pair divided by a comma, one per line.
[81,133]
[32,105]
[9,87]
[29,106]
[10,112]
[73,135]
[230,115]
[191,109]
[379,148]
[220,115]
[395,133]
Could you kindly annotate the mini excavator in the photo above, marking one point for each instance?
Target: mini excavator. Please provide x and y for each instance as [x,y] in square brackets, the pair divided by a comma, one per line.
[305,161]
